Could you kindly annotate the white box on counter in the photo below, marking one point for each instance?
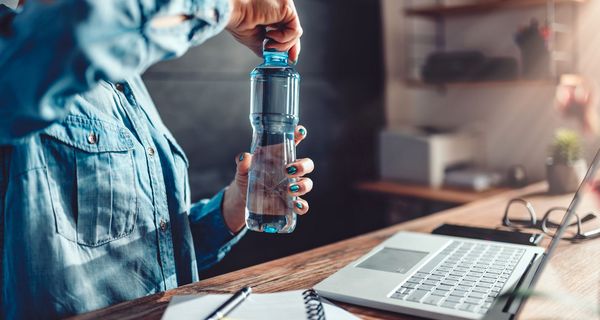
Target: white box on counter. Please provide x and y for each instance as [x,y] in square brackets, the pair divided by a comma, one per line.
[422,156]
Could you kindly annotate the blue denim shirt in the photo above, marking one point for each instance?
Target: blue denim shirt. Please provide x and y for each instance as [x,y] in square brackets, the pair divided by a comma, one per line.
[94,195]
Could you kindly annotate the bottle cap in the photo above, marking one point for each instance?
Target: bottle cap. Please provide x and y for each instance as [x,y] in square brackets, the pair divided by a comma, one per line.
[272,56]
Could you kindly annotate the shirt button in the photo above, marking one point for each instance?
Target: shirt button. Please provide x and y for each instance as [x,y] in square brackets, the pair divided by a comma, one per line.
[92,138]
[163,225]
[151,151]
[120,86]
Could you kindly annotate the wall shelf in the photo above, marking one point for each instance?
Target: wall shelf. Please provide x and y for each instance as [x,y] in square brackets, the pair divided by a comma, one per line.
[435,11]
[418,84]
[444,194]
[563,56]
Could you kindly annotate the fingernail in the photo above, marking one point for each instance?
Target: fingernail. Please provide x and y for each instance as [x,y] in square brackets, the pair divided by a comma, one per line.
[302,131]
[299,205]
[294,188]
[241,157]
[291,170]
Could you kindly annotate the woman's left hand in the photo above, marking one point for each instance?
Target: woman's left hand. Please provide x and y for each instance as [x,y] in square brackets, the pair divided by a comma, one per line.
[234,200]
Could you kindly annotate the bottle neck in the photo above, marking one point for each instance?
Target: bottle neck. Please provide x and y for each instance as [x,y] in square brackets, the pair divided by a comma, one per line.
[275,57]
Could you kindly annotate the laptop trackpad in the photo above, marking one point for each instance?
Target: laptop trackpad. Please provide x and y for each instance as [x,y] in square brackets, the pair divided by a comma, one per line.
[393,260]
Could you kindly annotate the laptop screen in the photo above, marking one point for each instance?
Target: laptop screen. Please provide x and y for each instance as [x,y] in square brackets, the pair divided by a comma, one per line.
[567,282]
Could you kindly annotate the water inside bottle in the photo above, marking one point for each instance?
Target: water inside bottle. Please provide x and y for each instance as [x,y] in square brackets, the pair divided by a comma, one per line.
[269,205]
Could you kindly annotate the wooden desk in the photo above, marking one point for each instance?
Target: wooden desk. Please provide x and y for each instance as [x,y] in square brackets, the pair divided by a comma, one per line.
[449,195]
[304,270]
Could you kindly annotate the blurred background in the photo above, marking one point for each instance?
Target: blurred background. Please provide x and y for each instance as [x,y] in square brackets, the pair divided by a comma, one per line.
[411,107]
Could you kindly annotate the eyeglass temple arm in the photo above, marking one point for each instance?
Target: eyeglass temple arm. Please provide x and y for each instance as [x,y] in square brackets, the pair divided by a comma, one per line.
[592,233]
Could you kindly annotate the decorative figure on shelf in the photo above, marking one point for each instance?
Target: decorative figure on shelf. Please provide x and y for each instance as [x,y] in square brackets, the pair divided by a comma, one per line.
[535,56]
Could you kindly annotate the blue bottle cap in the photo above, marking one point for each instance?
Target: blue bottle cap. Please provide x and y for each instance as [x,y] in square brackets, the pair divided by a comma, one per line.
[274,57]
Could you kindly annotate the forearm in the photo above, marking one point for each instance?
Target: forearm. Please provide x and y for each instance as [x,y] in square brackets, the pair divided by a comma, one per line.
[213,237]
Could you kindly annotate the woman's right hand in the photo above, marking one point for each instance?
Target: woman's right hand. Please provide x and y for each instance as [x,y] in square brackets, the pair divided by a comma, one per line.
[250,18]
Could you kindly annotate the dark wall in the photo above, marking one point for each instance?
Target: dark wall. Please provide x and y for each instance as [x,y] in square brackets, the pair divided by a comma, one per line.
[204,98]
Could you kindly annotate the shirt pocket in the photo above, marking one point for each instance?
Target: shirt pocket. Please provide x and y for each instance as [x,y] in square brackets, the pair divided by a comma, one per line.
[91,176]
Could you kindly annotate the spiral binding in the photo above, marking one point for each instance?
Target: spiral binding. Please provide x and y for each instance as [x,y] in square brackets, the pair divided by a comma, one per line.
[314,307]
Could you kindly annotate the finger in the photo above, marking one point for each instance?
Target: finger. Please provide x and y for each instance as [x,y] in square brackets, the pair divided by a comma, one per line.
[258,51]
[285,35]
[281,46]
[300,168]
[300,187]
[294,53]
[299,134]
[253,40]
[288,28]
[300,206]
[243,161]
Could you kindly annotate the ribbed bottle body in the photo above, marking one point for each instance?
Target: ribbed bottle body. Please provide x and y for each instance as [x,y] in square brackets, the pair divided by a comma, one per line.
[274,117]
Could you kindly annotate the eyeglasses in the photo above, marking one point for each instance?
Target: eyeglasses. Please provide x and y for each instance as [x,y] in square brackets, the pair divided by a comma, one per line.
[519,213]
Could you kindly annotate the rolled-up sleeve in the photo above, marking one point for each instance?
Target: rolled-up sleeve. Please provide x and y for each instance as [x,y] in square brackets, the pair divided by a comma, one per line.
[52,50]
[212,237]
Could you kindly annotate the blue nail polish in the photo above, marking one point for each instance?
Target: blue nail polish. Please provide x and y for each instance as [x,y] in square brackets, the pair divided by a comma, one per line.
[291,170]
[294,188]
[241,157]
[299,205]
[302,131]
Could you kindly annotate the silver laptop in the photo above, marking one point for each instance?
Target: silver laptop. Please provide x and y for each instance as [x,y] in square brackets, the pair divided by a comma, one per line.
[443,277]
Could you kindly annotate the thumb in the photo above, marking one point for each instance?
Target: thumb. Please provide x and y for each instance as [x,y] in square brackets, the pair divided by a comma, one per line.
[243,161]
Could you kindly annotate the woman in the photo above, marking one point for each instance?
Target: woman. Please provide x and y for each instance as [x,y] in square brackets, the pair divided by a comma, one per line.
[93,187]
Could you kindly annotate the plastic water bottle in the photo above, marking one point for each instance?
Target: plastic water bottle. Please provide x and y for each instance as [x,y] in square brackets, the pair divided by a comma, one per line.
[274,117]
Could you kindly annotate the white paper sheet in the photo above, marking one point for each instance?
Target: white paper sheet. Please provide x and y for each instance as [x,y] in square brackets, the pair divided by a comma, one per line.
[287,305]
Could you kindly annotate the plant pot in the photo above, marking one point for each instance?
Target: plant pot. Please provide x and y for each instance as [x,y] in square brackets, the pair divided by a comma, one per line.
[564,178]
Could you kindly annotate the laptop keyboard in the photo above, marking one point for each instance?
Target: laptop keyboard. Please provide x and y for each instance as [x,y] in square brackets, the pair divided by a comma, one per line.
[464,276]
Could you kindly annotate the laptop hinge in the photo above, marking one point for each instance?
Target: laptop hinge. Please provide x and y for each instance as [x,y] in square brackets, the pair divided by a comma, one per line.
[508,305]
[515,302]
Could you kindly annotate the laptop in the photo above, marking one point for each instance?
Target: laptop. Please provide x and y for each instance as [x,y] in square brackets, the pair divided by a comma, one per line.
[445,277]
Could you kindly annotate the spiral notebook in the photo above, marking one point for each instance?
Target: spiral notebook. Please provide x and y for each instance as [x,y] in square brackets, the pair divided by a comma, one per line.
[289,305]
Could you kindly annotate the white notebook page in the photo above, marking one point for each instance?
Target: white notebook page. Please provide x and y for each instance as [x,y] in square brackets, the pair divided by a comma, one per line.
[287,305]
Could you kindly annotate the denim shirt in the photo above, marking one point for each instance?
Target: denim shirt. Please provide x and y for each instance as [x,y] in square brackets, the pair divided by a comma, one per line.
[94,196]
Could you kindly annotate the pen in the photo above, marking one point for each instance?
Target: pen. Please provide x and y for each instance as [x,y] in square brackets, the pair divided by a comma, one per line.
[230,304]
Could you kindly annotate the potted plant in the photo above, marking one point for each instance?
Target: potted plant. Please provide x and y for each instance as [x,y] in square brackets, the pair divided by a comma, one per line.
[565,168]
